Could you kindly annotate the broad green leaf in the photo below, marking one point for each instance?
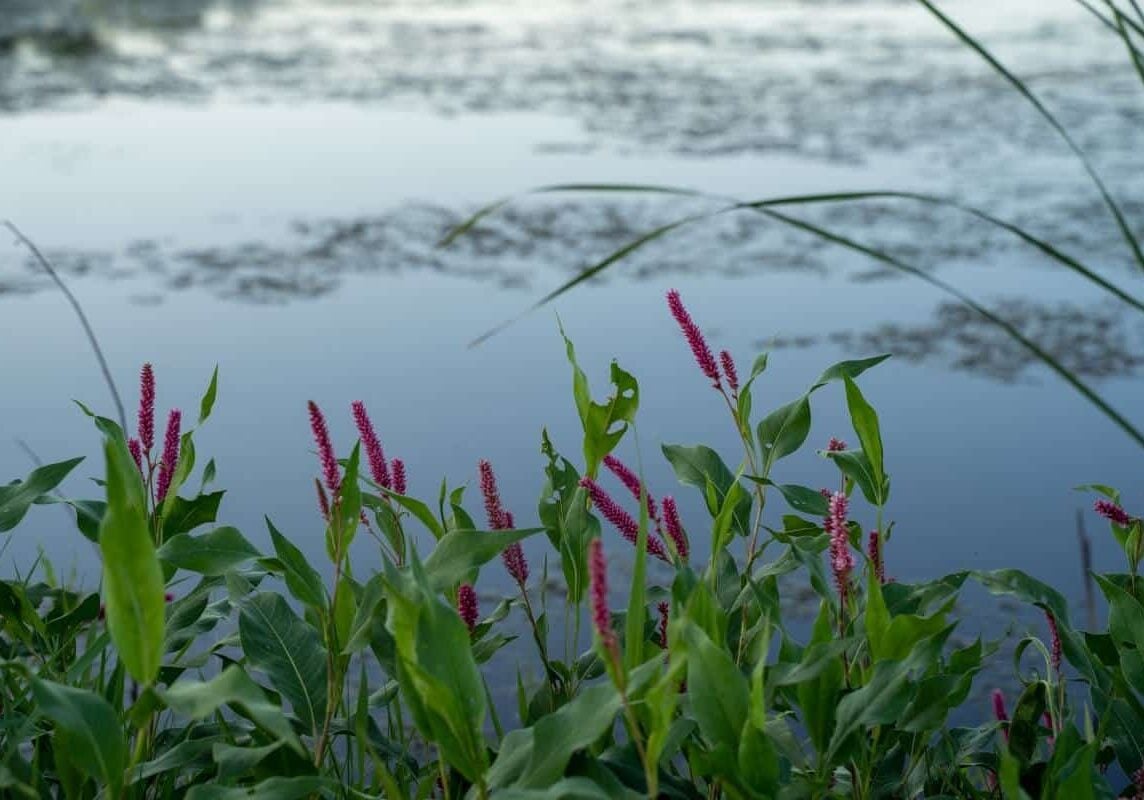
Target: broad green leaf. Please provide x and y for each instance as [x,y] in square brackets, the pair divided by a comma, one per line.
[887,693]
[856,466]
[865,422]
[719,694]
[16,498]
[186,515]
[235,762]
[460,552]
[133,588]
[439,679]
[87,728]
[232,687]
[289,651]
[818,679]
[847,369]
[208,401]
[422,512]
[302,580]
[604,423]
[701,467]
[783,431]
[212,553]
[270,789]
[800,498]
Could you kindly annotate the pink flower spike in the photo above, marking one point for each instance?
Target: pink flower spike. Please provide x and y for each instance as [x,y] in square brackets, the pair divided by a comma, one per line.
[494,510]
[675,527]
[329,461]
[515,563]
[621,519]
[835,445]
[147,408]
[170,454]
[841,559]
[694,338]
[876,557]
[664,610]
[136,451]
[999,710]
[729,371]
[1055,640]
[467,606]
[601,617]
[323,500]
[376,456]
[1113,513]
[399,485]
[633,484]
[509,522]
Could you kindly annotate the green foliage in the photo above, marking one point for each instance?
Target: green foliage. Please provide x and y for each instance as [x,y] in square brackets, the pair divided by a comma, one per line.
[263,675]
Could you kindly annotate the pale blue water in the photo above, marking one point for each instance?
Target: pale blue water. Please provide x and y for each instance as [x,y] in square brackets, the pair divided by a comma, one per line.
[262,187]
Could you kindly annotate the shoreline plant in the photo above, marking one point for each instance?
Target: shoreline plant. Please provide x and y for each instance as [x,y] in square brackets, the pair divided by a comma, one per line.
[206,668]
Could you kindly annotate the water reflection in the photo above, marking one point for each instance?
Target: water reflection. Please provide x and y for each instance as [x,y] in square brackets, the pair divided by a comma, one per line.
[1091,341]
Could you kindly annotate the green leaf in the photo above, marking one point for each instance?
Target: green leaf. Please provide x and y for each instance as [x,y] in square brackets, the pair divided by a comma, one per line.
[209,396]
[847,369]
[439,679]
[422,512]
[460,552]
[133,589]
[783,431]
[186,515]
[701,467]
[302,580]
[232,687]
[604,423]
[886,695]
[87,728]
[865,422]
[856,466]
[818,679]
[213,553]
[1024,727]
[270,789]
[289,651]
[719,694]
[16,498]
[800,498]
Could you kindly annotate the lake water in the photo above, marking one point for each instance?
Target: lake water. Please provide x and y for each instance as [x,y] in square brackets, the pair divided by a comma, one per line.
[261,185]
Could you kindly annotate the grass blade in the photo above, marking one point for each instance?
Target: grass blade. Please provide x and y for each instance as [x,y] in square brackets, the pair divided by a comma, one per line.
[1028,94]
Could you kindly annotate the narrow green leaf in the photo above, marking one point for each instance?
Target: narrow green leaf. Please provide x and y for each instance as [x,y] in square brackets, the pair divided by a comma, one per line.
[18,497]
[133,587]
[87,728]
[213,553]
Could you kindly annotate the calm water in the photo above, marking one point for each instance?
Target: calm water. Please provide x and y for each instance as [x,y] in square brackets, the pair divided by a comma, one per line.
[261,185]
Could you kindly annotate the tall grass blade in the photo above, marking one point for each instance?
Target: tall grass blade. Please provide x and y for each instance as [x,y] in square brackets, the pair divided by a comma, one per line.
[87,329]
[1028,94]
[1016,334]
[1133,50]
[734,204]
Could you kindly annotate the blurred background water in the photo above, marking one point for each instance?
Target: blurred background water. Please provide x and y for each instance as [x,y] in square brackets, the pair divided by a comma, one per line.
[262,184]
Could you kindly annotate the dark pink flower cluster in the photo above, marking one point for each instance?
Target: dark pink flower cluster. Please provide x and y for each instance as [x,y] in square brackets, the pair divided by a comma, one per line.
[467,606]
[729,371]
[1113,513]
[323,500]
[875,554]
[501,520]
[399,484]
[136,451]
[633,484]
[1055,641]
[674,527]
[999,710]
[329,461]
[378,467]
[170,454]
[621,519]
[664,611]
[695,339]
[601,616]
[147,408]
[841,559]
[835,445]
